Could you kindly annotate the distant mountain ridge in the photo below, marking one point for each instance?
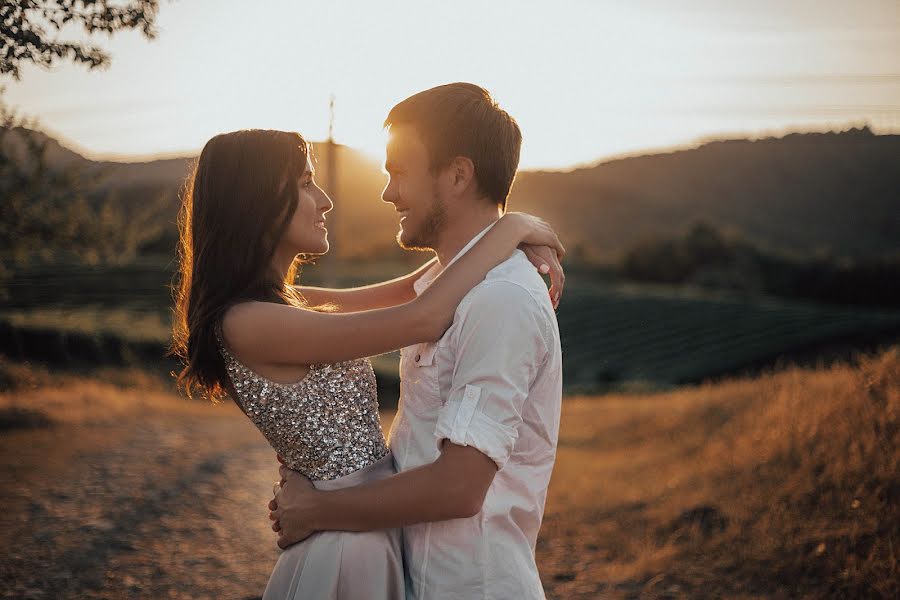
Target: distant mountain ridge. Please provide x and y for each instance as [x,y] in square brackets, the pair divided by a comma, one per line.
[801,193]
[165,172]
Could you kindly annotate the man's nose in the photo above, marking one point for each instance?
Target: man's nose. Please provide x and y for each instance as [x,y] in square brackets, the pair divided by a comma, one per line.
[388,194]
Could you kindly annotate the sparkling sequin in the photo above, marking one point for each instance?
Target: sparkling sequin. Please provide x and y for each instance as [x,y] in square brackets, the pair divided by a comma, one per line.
[324,426]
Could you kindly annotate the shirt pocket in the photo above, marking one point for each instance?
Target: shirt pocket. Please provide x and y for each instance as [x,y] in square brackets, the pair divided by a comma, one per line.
[422,373]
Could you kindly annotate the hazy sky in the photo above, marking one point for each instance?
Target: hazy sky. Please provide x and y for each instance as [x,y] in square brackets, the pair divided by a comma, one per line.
[585,79]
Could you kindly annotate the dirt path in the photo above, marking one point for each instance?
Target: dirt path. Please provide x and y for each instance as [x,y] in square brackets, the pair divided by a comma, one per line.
[137,494]
[151,497]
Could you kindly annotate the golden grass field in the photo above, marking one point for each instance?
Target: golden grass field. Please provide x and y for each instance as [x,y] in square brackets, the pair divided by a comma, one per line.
[786,485]
[781,486]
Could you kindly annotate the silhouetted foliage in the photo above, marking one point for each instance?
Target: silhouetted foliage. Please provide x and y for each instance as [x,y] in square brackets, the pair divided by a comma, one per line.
[49,211]
[28,30]
[707,257]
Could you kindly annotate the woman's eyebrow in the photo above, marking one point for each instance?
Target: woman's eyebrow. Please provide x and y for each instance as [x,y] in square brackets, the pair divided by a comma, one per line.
[308,168]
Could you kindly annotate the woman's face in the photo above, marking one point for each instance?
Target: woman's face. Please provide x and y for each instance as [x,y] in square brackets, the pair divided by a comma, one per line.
[306,233]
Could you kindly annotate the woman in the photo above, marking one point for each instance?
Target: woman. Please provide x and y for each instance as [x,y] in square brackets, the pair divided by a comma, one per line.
[300,372]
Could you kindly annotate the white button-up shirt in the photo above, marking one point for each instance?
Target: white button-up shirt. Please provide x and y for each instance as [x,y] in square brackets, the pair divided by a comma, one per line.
[493,382]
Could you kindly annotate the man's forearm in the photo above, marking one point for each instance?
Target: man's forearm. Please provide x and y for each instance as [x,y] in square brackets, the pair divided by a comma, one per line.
[414,496]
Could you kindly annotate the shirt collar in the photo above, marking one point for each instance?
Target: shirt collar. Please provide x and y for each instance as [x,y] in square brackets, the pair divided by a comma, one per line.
[435,269]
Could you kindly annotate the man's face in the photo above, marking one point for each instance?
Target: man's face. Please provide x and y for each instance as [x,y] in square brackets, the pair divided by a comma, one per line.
[413,190]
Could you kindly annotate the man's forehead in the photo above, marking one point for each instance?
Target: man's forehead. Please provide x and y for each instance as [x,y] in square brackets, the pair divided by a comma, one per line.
[402,140]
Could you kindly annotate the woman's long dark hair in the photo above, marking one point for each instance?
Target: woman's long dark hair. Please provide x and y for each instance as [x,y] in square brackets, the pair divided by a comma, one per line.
[236,205]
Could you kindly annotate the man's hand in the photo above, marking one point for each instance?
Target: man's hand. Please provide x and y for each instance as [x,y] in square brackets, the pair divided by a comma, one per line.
[290,509]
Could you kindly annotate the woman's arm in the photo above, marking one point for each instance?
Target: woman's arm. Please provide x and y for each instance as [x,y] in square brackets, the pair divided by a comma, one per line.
[377,295]
[269,333]
[400,290]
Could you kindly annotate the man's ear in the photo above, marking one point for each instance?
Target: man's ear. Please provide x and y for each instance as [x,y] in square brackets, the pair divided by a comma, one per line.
[462,170]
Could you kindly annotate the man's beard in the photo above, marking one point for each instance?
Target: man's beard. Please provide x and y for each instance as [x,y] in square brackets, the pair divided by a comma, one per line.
[426,238]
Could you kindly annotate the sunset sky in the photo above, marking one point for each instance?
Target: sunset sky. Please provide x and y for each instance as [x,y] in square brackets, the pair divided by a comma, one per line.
[585,79]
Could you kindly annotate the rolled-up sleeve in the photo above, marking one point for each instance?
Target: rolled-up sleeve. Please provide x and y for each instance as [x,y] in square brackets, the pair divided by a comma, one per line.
[501,345]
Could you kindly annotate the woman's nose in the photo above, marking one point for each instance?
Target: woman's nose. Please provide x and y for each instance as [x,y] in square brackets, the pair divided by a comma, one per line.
[327,205]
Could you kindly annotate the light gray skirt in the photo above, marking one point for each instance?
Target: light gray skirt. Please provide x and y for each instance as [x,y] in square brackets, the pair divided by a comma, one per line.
[343,565]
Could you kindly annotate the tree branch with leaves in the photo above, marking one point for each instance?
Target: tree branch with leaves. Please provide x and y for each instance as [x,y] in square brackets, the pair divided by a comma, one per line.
[29,30]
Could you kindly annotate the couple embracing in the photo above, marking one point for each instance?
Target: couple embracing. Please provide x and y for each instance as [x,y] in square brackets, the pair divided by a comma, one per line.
[451,505]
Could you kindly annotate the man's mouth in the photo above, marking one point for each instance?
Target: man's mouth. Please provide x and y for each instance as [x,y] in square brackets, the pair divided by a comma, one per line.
[320,224]
[403,214]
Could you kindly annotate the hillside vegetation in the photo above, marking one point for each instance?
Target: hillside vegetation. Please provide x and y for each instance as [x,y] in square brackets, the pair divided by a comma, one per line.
[781,486]
[802,194]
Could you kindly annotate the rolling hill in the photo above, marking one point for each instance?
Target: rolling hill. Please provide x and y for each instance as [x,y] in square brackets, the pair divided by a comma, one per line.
[800,194]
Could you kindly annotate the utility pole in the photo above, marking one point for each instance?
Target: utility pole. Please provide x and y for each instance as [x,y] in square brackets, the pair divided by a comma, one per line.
[330,260]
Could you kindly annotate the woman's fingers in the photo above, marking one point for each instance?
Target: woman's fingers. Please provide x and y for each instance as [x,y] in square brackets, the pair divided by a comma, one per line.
[545,256]
[557,244]
[540,260]
[545,251]
[540,233]
[557,280]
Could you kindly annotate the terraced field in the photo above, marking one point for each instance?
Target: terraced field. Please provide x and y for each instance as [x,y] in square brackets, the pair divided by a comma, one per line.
[616,333]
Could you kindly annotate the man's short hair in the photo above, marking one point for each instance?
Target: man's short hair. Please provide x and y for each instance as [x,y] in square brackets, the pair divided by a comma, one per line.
[462,119]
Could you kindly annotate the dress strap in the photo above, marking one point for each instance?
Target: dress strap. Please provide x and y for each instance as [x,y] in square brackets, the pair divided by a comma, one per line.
[220,339]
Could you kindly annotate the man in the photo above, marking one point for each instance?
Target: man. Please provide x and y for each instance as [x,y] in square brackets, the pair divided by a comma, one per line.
[474,440]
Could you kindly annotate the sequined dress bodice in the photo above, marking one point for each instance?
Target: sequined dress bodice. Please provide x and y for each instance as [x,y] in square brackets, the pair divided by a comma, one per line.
[325,425]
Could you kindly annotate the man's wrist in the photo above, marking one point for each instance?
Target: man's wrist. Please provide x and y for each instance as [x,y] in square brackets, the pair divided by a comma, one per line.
[316,513]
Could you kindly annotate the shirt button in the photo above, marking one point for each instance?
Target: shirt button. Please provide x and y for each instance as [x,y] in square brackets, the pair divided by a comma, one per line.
[418,356]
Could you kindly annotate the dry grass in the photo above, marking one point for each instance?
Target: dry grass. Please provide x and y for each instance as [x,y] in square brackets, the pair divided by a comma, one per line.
[781,486]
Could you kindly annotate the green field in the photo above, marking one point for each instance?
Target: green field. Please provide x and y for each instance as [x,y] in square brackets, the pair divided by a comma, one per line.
[614,336]
[663,335]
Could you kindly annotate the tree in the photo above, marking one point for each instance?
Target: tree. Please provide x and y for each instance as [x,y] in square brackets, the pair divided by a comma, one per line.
[50,212]
[26,27]
[47,209]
